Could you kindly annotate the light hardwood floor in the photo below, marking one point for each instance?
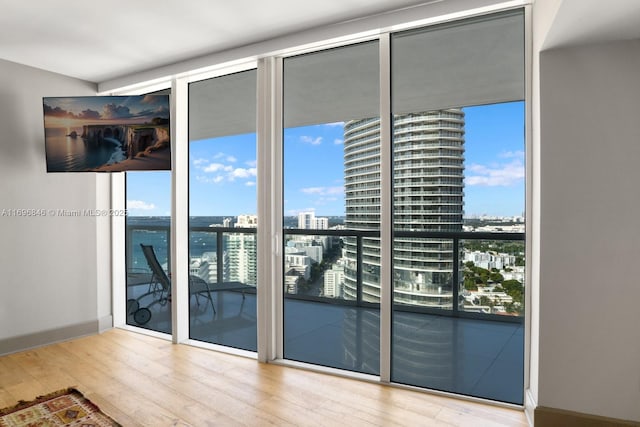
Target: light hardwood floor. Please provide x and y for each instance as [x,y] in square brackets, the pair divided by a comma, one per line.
[141,380]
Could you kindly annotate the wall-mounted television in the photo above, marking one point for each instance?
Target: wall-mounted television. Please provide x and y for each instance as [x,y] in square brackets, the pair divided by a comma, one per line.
[107,133]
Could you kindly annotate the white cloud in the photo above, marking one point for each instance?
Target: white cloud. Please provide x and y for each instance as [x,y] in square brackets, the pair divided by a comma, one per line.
[335,124]
[338,141]
[226,172]
[198,162]
[501,175]
[242,173]
[323,191]
[250,184]
[251,163]
[311,140]
[140,205]
[209,180]
[215,167]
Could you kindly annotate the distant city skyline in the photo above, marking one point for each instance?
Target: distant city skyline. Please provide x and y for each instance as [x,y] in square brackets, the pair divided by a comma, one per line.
[223,170]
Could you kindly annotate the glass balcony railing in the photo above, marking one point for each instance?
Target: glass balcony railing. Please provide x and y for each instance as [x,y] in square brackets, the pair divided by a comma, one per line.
[215,246]
[424,273]
[222,280]
[159,236]
[147,300]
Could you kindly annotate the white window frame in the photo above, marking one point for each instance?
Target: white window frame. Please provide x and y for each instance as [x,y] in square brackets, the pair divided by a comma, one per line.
[267,58]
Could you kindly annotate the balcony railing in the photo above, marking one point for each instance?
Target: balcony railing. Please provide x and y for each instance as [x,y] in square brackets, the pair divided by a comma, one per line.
[220,247]
[366,270]
[406,298]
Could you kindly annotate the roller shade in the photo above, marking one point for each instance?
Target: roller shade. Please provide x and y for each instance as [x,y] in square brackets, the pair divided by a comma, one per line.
[471,62]
[332,85]
[223,106]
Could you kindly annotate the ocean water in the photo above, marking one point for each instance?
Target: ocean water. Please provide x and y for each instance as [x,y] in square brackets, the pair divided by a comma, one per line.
[155,231]
[67,154]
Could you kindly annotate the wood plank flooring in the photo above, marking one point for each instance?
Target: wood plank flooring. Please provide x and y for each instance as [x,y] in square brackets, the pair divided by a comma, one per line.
[145,381]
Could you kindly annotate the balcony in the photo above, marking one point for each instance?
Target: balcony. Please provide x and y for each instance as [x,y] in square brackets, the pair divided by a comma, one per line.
[464,348]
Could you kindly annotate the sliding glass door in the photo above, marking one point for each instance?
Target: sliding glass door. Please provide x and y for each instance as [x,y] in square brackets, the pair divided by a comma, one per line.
[331,208]
[222,210]
[458,166]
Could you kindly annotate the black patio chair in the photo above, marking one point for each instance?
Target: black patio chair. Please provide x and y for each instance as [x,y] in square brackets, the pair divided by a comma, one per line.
[160,289]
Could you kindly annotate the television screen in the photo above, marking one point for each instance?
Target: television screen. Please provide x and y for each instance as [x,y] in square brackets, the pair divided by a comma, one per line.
[107,133]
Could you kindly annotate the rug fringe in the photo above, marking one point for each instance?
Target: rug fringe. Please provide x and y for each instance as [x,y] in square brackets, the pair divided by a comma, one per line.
[75,395]
[22,404]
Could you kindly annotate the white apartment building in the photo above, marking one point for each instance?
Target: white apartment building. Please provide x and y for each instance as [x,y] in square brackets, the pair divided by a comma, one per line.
[243,260]
[489,260]
[309,221]
[297,261]
[333,282]
[247,221]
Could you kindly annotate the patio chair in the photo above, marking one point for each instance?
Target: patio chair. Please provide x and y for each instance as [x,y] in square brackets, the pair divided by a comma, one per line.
[160,289]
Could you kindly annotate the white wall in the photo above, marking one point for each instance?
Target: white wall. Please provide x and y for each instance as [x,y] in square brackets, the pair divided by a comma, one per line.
[543,12]
[589,316]
[48,265]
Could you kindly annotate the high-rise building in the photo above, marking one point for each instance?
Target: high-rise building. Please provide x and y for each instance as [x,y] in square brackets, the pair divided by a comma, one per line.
[305,219]
[321,223]
[428,175]
[333,281]
[241,251]
[309,221]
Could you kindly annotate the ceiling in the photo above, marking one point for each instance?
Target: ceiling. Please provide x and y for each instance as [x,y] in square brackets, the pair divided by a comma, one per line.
[579,22]
[102,41]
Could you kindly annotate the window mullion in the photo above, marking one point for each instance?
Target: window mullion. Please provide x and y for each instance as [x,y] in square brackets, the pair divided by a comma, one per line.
[269,198]
[386,209]
[180,212]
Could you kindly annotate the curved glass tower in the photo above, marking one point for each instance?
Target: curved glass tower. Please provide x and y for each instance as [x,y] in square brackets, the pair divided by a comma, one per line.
[428,180]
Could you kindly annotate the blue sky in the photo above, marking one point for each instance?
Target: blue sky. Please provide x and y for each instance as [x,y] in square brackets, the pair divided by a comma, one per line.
[223,170]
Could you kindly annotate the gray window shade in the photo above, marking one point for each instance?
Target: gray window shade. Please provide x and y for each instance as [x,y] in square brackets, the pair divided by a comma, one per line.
[471,62]
[223,106]
[332,85]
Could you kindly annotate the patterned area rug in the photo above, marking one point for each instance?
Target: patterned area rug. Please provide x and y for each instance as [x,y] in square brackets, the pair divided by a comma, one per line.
[62,408]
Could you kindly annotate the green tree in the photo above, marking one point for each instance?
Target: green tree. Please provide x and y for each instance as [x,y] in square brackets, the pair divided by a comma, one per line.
[470,284]
[496,277]
[514,289]
[485,300]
